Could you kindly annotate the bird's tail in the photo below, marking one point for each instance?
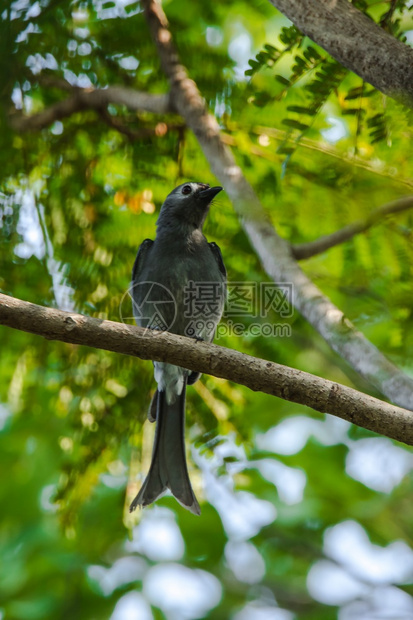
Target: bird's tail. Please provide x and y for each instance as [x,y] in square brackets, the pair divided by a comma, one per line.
[168,468]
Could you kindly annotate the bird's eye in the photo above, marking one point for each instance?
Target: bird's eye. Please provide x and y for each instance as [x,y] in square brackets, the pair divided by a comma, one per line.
[187,189]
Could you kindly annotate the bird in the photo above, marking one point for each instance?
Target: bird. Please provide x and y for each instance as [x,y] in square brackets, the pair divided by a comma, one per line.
[178,285]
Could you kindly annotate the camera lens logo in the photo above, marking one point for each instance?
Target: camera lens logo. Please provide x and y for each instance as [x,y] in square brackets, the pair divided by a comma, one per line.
[153,306]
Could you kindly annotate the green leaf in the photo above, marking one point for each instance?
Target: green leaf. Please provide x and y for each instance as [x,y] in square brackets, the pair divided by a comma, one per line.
[311,53]
[358,91]
[352,111]
[270,48]
[262,98]
[282,80]
[301,110]
[295,124]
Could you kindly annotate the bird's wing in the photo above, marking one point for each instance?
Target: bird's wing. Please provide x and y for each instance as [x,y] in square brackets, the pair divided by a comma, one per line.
[218,258]
[136,290]
[142,254]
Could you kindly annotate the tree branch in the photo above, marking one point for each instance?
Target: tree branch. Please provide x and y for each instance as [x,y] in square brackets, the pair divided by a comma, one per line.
[306,250]
[160,129]
[355,41]
[83,99]
[257,374]
[281,136]
[274,252]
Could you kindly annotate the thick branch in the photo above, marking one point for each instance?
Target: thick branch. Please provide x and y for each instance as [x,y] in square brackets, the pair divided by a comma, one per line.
[306,250]
[274,252]
[83,99]
[356,42]
[256,374]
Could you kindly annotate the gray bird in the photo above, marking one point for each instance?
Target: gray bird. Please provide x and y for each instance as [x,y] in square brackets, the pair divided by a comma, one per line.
[178,285]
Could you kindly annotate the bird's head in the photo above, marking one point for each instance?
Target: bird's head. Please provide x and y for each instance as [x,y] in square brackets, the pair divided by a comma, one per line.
[188,205]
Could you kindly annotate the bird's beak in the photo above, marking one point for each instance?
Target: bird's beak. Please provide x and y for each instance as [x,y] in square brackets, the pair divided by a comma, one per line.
[208,194]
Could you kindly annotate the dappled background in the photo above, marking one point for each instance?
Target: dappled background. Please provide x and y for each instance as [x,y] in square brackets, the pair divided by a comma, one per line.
[303,515]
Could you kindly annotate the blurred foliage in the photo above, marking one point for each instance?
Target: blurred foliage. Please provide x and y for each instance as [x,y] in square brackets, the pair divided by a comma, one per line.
[322,149]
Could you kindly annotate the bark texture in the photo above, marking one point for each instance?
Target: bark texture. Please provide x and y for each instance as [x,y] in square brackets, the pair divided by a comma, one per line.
[357,42]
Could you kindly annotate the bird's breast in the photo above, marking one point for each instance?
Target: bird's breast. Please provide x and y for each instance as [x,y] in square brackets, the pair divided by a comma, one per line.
[188,275]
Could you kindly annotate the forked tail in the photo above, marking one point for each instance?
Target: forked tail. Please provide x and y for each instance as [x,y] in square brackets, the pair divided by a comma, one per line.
[168,468]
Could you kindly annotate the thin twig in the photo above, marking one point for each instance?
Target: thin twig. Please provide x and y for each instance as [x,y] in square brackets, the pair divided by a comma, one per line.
[306,250]
[159,130]
[280,136]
